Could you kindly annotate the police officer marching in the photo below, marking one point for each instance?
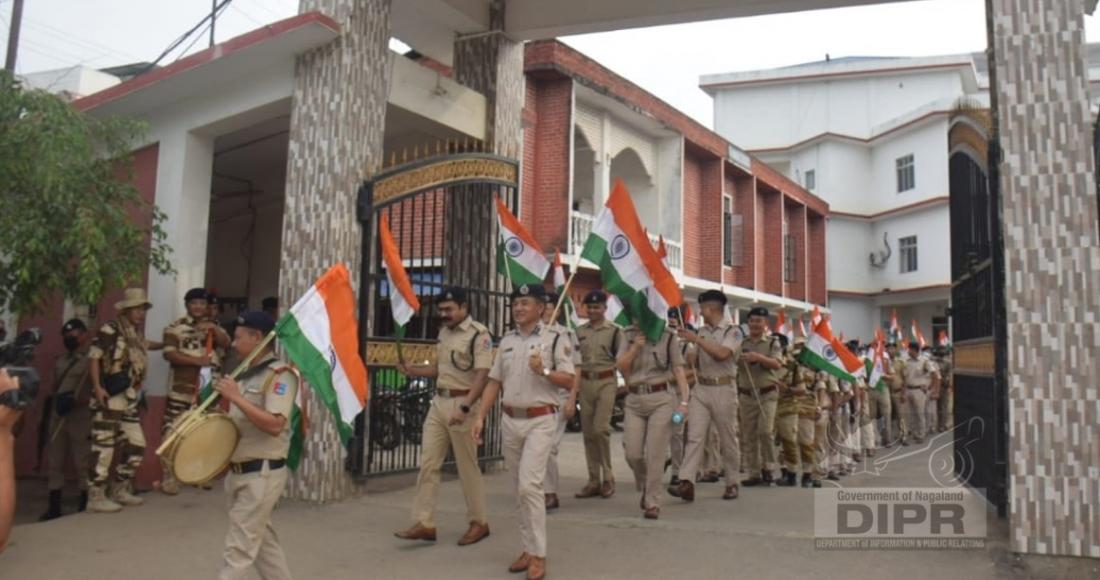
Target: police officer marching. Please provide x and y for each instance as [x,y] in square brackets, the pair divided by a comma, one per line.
[530,370]
[599,341]
[714,401]
[464,355]
[920,377]
[757,386]
[568,406]
[680,432]
[261,399]
[70,428]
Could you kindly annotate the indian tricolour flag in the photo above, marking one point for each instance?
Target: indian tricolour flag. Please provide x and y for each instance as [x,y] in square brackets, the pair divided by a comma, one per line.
[781,326]
[876,365]
[825,353]
[917,335]
[403,300]
[629,266]
[320,335]
[559,286]
[615,311]
[519,257]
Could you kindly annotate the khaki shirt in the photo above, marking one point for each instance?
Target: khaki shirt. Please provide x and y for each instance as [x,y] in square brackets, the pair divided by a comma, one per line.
[656,362]
[918,372]
[521,386]
[728,336]
[119,346]
[76,377]
[761,377]
[946,374]
[272,389]
[599,345]
[184,337]
[457,363]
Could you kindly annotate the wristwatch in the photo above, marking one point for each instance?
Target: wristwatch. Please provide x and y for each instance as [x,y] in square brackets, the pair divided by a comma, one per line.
[546,373]
[465,409]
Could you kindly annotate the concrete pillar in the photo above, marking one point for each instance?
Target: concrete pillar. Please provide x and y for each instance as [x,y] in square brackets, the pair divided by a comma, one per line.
[1052,272]
[336,124]
[492,64]
[185,165]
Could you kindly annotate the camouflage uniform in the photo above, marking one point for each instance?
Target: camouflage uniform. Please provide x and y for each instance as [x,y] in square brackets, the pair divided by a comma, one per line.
[795,418]
[118,348]
[184,336]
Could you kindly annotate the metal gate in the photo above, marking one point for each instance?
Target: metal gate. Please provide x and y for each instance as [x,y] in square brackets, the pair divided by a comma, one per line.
[442,213]
[978,309]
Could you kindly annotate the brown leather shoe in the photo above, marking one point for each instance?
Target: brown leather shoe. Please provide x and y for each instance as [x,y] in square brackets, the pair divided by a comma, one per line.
[732,491]
[551,500]
[653,513]
[536,568]
[521,563]
[590,490]
[475,534]
[417,532]
[607,489]
[686,491]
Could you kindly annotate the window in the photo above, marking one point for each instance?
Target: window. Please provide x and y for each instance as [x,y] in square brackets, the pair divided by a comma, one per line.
[731,233]
[789,261]
[907,176]
[811,180]
[907,247]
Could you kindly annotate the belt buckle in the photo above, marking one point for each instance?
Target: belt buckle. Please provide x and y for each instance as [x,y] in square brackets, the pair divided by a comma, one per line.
[235,468]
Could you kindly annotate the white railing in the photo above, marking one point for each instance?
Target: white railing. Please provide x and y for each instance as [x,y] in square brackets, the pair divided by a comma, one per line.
[580,226]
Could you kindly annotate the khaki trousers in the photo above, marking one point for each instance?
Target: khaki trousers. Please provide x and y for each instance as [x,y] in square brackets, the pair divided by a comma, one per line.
[918,399]
[837,436]
[597,402]
[527,445]
[880,409]
[438,437]
[116,427]
[900,411]
[797,437]
[931,415]
[821,445]
[74,439]
[712,452]
[551,483]
[676,446]
[251,540]
[181,396]
[758,423]
[647,429]
[947,409]
[712,408]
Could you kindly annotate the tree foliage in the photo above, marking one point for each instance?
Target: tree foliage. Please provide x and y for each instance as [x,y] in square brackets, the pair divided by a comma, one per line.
[71,221]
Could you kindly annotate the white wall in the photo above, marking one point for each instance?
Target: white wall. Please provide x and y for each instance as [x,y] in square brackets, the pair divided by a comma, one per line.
[932,228]
[848,242]
[854,316]
[927,142]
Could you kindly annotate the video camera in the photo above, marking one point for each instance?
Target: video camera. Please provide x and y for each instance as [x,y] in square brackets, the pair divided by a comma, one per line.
[15,357]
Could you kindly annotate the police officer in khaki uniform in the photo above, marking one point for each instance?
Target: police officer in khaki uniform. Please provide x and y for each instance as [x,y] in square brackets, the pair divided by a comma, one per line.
[568,406]
[921,377]
[826,388]
[531,373]
[117,368]
[947,388]
[189,344]
[463,357]
[680,432]
[657,387]
[796,412]
[71,423]
[757,387]
[714,399]
[261,399]
[599,341]
[899,406]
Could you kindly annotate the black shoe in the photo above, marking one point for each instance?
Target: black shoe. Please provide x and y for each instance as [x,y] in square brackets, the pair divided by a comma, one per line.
[83,505]
[753,482]
[807,480]
[816,483]
[790,479]
[674,481]
[54,510]
[832,476]
[709,478]
[783,471]
[766,475]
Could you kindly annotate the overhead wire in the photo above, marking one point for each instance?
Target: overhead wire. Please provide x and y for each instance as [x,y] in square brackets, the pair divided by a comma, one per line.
[183,37]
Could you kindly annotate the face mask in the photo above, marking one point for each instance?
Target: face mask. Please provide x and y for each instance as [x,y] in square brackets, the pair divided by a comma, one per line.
[71,343]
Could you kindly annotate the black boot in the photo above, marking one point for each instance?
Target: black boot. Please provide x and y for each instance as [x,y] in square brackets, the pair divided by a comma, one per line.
[54,510]
[789,479]
[807,480]
[83,501]
[766,476]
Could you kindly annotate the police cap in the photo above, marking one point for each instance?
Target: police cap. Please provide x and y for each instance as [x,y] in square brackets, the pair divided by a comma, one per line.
[73,324]
[196,294]
[256,320]
[451,294]
[758,311]
[713,296]
[532,290]
[595,297]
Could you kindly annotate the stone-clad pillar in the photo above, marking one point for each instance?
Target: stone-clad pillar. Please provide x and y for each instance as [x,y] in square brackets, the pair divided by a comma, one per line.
[1052,273]
[336,125]
[492,64]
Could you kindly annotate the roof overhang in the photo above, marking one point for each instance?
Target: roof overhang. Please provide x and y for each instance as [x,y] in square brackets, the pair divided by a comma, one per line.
[260,49]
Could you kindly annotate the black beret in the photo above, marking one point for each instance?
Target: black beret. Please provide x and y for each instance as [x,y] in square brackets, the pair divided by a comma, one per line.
[853,345]
[196,294]
[532,290]
[712,296]
[73,324]
[552,297]
[269,303]
[891,343]
[595,297]
[914,344]
[758,311]
[256,320]
[452,294]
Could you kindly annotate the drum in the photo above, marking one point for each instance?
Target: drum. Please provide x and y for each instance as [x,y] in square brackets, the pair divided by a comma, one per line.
[202,448]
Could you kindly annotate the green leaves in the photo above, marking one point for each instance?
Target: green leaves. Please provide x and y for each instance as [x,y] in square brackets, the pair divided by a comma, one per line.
[71,222]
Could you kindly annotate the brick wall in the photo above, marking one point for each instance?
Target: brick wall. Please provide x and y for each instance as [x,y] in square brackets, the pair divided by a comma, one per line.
[694,211]
[744,204]
[796,218]
[815,235]
[546,183]
[710,222]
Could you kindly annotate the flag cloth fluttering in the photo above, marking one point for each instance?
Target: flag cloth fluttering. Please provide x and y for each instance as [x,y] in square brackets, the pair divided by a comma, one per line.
[917,335]
[781,326]
[615,311]
[825,353]
[519,257]
[403,300]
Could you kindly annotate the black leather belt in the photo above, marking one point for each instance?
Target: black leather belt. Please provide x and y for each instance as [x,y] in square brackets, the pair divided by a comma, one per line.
[255,465]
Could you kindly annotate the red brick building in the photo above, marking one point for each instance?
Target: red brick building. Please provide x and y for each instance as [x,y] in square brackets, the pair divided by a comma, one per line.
[729,221]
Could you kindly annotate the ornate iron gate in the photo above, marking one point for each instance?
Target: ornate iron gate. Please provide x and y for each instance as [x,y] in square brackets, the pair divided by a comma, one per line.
[442,213]
[978,310]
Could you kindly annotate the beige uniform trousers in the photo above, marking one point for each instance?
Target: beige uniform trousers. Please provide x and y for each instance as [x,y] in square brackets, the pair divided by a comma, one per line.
[251,541]
[527,446]
[552,478]
[712,452]
[647,429]
[74,439]
[676,446]
[900,415]
[918,400]
[947,408]
[881,409]
[758,429]
[797,438]
[438,437]
[597,402]
[821,445]
[712,407]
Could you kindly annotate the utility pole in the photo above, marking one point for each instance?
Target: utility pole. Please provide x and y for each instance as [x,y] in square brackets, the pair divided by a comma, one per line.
[213,19]
[13,35]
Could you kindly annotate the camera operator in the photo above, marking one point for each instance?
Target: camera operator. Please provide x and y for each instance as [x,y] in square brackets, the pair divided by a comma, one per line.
[8,418]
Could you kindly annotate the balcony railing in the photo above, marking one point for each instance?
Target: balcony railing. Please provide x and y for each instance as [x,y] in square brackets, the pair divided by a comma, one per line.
[580,226]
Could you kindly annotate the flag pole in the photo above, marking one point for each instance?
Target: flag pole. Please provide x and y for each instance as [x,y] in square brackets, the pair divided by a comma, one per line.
[565,289]
[195,413]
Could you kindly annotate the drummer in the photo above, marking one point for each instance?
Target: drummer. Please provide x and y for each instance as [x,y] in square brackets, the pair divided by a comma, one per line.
[261,400]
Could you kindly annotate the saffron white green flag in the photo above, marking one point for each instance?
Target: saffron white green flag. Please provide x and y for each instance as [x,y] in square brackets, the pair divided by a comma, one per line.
[615,311]
[825,353]
[519,257]
[321,336]
[629,266]
[403,299]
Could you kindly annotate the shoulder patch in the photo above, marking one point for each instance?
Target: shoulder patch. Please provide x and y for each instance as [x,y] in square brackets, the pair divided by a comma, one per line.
[484,341]
[280,388]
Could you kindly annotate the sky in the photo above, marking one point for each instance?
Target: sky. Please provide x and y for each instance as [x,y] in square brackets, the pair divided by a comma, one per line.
[666,60]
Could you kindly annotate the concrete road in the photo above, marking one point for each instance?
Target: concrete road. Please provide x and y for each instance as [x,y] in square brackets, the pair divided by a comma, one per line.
[767,533]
